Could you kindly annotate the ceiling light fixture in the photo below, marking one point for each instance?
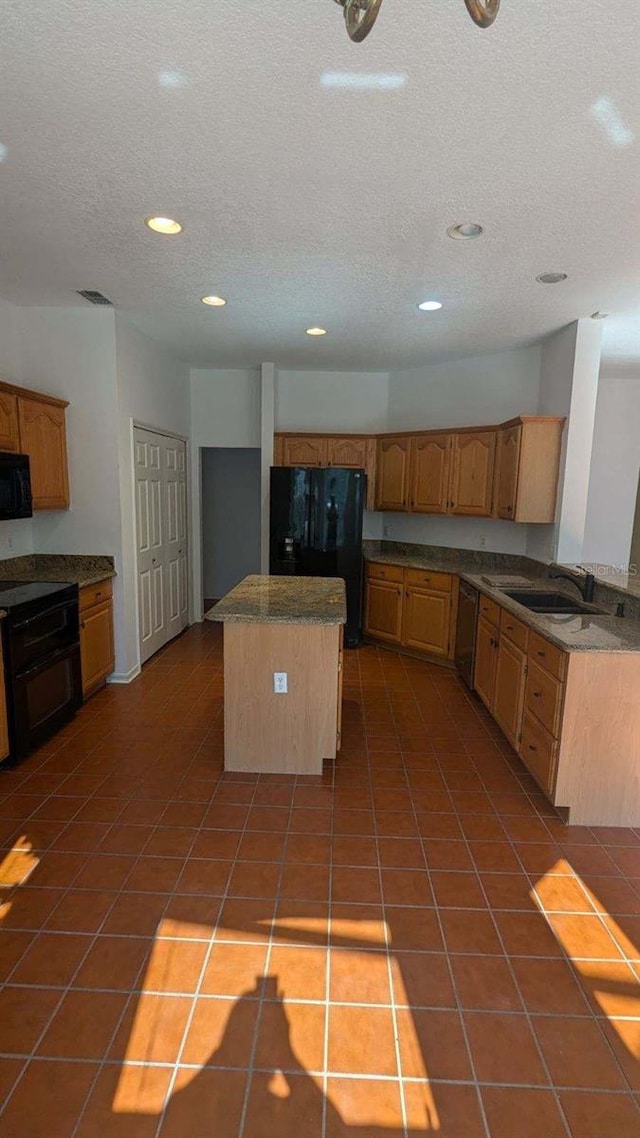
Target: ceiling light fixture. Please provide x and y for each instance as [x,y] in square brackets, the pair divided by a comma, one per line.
[214,301]
[551,278]
[361,15]
[466,231]
[316,331]
[430,306]
[599,315]
[168,226]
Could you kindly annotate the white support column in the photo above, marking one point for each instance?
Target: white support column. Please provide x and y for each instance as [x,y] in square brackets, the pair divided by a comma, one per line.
[569,386]
[267,427]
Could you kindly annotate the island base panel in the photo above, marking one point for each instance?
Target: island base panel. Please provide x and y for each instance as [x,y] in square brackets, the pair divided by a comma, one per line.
[271,733]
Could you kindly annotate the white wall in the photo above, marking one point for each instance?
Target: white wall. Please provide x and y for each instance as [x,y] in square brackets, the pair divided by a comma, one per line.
[482,389]
[231,517]
[153,389]
[70,352]
[225,412]
[16,538]
[615,469]
[342,401]
[225,407]
[463,393]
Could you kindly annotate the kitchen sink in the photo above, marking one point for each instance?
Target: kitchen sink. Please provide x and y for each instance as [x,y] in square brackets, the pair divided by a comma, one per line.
[549,602]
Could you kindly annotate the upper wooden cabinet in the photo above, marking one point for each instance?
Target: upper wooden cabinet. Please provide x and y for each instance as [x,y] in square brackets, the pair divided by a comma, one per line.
[304,450]
[527,468]
[9,429]
[43,438]
[472,464]
[508,471]
[34,424]
[393,473]
[354,452]
[347,453]
[430,470]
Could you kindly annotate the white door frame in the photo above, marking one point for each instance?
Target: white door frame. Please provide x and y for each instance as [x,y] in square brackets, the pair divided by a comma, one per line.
[139,423]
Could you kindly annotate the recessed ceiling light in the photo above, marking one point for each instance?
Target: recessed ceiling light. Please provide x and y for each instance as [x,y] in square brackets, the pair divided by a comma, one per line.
[214,301]
[166,225]
[551,278]
[466,231]
[429,306]
[599,315]
[316,331]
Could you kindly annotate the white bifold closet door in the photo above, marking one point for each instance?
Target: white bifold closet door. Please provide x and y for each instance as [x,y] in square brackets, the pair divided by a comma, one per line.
[161,537]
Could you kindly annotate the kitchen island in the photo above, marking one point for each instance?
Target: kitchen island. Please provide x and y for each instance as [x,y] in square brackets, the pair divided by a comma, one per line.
[282,673]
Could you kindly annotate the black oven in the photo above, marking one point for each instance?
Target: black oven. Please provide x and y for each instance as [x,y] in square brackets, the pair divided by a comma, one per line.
[15,486]
[43,677]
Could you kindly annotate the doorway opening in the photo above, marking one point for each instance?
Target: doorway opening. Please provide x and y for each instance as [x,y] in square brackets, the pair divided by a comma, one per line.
[231,518]
[161,538]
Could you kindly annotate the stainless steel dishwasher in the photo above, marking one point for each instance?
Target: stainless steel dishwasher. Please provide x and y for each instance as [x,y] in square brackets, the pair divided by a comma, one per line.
[466,632]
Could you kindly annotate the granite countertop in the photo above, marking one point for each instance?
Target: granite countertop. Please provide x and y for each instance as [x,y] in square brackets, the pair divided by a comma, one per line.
[580,633]
[75,568]
[449,561]
[283,600]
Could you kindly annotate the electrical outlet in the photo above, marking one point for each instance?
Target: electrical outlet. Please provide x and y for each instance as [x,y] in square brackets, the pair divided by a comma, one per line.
[9,543]
[385,529]
[482,542]
[280,683]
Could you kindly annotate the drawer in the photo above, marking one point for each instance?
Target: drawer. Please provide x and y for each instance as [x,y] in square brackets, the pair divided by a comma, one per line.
[543,697]
[547,655]
[514,629]
[489,610]
[538,752]
[379,572]
[94,594]
[440,582]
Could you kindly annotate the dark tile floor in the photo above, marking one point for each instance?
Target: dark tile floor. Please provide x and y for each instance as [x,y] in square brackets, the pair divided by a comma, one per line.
[412,944]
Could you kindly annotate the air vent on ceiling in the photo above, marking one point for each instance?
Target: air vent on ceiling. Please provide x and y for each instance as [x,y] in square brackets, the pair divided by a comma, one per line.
[94,297]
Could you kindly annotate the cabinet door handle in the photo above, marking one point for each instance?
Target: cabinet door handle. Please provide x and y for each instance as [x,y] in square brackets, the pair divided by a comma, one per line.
[537,694]
[509,627]
[532,747]
[539,652]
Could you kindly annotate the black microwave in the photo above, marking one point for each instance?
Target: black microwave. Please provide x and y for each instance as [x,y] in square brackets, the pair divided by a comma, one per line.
[15,486]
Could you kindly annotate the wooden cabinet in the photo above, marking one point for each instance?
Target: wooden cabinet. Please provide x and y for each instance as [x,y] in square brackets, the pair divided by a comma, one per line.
[304,451]
[509,471]
[413,608]
[527,469]
[508,699]
[484,677]
[354,452]
[347,452]
[4,726]
[472,467]
[383,609]
[393,473]
[427,620]
[43,438]
[430,471]
[508,457]
[96,636]
[538,750]
[9,429]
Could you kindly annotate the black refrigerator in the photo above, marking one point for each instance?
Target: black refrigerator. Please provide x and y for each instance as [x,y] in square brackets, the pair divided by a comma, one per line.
[316,530]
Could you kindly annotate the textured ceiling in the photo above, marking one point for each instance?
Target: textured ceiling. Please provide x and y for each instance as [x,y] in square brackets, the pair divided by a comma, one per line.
[305,204]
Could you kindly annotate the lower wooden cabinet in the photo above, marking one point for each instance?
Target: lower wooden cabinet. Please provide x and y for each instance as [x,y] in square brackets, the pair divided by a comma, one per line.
[96,636]
[383,610]
[538,751]
[4,726]
[413,608]
[484,676]
[427,621]
[511,672]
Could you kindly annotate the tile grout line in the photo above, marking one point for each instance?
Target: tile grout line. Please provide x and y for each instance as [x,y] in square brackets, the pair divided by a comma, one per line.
[470,1058]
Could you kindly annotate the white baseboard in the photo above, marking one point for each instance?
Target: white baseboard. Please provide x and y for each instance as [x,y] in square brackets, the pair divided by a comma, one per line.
[125,677]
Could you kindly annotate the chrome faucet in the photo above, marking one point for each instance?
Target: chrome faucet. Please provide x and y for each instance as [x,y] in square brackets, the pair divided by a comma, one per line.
[586,589]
